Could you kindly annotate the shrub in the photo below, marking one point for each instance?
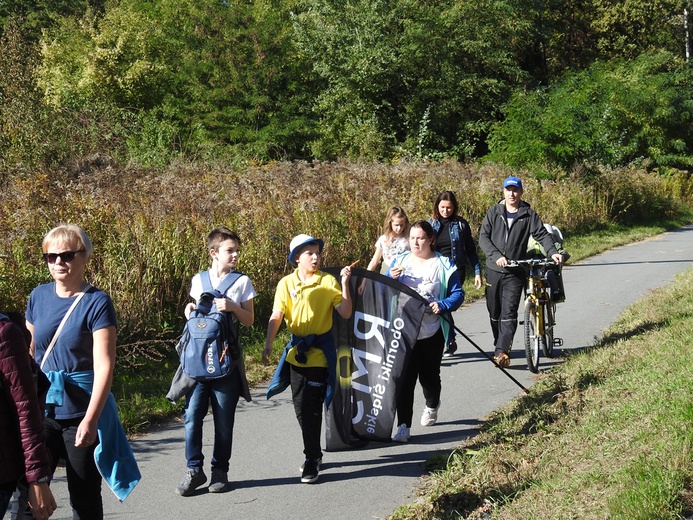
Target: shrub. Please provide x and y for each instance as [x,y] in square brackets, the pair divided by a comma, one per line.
[612,114]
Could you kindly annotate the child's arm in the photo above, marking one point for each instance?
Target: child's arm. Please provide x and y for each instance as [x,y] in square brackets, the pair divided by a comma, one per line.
[377,256]
[245,312]
[193,290]
[275,322]
[345,307]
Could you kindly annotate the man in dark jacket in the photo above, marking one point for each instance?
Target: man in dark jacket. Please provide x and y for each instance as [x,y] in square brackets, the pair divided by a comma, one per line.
[503,237]
[22,449]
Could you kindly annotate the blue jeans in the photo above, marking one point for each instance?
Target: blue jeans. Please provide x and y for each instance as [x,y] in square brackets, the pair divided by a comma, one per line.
[223,394]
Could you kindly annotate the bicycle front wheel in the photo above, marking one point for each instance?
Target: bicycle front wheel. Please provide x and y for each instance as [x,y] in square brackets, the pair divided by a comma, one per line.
[549,322]
[533,340]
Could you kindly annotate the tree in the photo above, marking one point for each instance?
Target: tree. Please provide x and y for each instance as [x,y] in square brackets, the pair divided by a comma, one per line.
[404,76]
[628,28]
[202,75]
[40,14]
[613,113]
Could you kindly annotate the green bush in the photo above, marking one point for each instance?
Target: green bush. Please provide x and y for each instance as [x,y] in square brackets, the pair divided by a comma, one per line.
[612,114]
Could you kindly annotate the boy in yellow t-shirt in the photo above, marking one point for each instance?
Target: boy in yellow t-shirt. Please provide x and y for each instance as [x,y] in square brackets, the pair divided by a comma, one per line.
[304,299]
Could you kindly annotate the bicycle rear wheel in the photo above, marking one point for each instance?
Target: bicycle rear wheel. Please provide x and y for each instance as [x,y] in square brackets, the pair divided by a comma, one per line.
[533,340]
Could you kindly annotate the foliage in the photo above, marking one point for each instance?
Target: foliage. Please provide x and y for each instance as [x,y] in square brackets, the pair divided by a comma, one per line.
[630,28]
[391,84]
[148,227]
[260,80]
[36,15]
[200,75]
[612,114]
[36,135]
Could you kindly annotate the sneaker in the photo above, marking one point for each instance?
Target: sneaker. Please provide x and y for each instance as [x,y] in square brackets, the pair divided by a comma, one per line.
[430,415]
[502,359]
[450,349]
[402,434]
[219,481]
[191,481]
[311,468]
[304,464]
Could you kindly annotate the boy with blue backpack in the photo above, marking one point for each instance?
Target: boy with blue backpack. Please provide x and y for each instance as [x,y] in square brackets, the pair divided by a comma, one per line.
[224,298]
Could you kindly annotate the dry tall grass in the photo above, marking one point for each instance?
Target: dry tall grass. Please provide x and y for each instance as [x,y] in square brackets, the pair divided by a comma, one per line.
[148,226]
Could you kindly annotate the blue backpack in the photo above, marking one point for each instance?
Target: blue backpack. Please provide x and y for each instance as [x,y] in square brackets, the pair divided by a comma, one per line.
[209,346]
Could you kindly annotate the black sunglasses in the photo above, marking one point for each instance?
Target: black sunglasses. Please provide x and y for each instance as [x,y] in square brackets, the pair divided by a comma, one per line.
[65,256]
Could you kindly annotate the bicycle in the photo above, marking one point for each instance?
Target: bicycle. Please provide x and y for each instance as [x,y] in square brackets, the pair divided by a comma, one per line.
[540,311]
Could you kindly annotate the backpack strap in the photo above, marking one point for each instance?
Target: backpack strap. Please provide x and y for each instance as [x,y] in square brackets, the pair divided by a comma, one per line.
[206,282]
[225,284]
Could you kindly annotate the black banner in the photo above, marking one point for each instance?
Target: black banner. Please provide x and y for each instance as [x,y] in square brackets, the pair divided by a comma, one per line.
[373,347]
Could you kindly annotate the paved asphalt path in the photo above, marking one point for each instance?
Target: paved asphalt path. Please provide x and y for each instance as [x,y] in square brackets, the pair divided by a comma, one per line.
[372,482]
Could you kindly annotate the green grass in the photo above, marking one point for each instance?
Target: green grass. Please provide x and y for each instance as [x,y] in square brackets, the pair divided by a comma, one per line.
[605,435]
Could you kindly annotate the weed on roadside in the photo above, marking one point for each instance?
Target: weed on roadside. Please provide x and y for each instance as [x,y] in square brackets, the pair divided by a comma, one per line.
[605,435]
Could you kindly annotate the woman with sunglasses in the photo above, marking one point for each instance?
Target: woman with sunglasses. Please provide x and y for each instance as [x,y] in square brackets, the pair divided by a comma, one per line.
[78,354]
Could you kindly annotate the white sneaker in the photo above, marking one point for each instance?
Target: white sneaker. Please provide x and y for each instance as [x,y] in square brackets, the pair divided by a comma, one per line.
[402,434]
[430,415]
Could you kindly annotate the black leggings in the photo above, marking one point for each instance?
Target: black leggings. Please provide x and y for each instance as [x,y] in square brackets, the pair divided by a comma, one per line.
[83,478]
[423,364]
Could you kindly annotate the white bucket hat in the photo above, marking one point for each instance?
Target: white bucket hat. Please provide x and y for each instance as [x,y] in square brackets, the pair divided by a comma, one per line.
[299,241]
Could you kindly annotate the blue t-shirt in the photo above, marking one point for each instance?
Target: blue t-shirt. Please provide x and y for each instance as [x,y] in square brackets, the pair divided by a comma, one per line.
[73,352]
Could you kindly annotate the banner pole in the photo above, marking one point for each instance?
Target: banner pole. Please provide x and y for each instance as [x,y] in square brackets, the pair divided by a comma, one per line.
[490,358]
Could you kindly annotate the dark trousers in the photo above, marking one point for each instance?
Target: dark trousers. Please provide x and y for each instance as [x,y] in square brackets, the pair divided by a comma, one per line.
[451,334]
[503,293]
[308,392]
[6,492]
[83,478]
[423,364]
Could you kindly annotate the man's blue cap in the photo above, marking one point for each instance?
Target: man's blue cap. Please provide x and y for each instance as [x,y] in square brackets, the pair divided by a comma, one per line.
[512,181]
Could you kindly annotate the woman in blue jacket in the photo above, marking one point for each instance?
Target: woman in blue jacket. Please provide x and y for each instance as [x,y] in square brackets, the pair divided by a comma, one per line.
[454,240]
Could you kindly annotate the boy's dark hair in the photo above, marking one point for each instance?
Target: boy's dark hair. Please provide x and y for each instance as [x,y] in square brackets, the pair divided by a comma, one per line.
[445,195]
[219,234]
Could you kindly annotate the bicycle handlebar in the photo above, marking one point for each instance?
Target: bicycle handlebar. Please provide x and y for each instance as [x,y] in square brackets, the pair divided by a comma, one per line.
[531,262]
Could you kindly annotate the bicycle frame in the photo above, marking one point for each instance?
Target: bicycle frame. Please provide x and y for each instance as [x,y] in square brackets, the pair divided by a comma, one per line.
[536,293]
[539,317]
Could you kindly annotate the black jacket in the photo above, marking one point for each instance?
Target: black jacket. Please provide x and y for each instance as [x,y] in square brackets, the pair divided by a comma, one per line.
[496,239]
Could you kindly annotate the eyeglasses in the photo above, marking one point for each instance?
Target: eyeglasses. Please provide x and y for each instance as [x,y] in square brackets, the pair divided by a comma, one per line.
[65,256]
